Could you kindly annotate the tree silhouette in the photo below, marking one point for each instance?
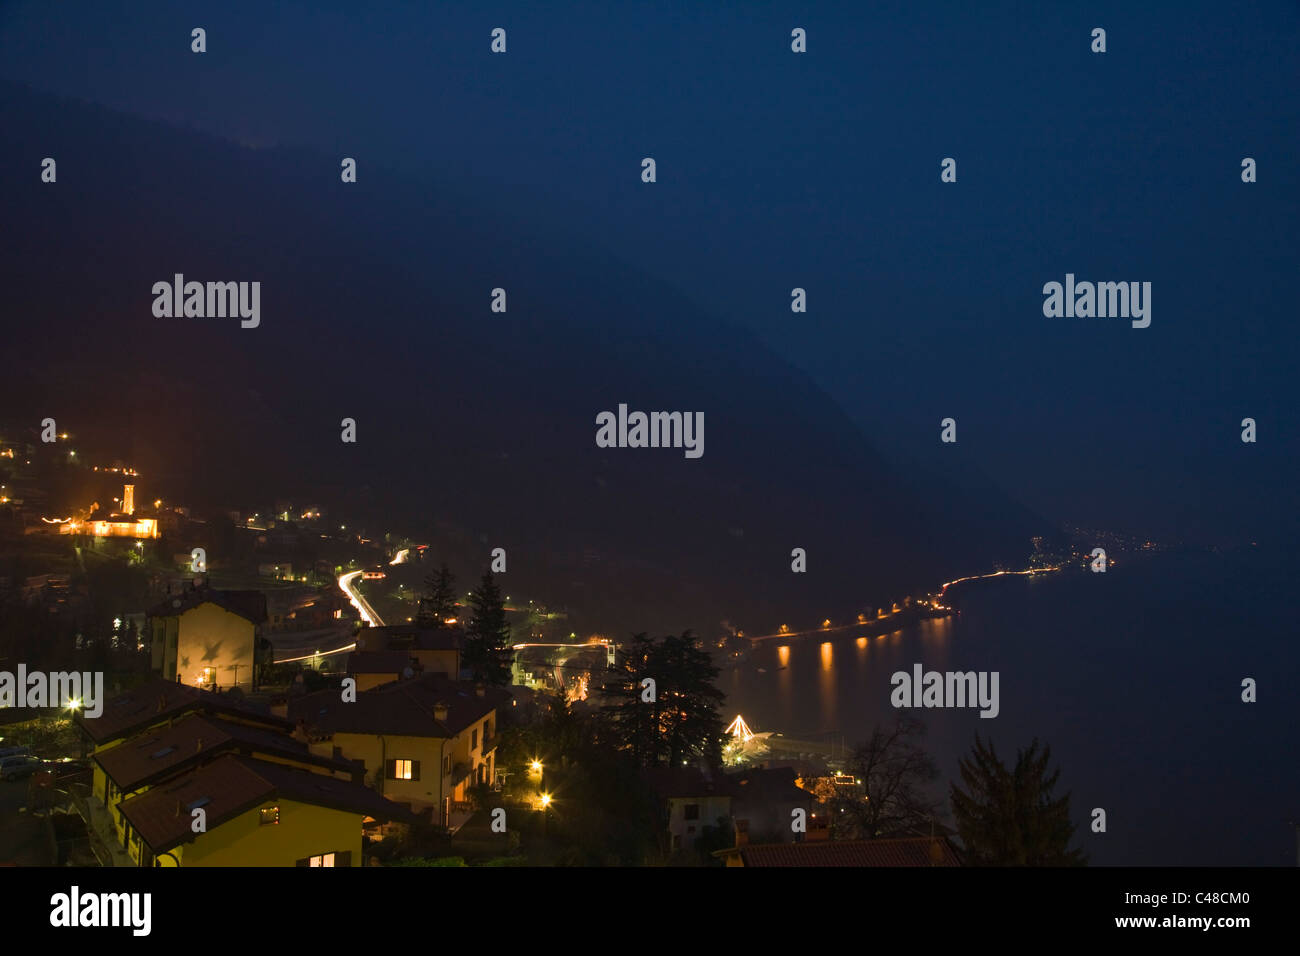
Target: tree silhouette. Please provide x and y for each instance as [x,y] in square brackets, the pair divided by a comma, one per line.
[1010,817]
[439,599]
[680,720]
[487,634]
[894,770]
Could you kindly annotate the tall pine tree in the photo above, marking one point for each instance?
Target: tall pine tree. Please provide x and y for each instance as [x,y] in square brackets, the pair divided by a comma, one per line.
[1010,817]
[680,721]
[439,599]
[487,635]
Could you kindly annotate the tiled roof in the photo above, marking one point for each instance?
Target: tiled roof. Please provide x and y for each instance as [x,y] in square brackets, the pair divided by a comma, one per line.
[439,639]
[157,700]
[250,605]
[402,708]
[415,636]
[675,782]
[911,851]
[380,662]
[232,785]
[162,752]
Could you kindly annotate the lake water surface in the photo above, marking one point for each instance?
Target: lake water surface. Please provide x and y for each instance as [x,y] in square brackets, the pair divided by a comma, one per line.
[1133,677]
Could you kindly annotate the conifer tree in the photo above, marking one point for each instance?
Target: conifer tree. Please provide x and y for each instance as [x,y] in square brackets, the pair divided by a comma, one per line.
[487,634]
[439,599]
[1011,817]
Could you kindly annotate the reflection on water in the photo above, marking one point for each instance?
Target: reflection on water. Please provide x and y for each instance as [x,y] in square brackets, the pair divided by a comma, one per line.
[806,688]
[1124,681]
[827,682]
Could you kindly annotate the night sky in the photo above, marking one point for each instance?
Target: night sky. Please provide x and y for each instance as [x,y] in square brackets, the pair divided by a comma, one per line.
[822,171]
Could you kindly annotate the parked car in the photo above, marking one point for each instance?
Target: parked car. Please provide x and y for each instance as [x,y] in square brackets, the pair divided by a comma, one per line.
[15,752]
[17,767]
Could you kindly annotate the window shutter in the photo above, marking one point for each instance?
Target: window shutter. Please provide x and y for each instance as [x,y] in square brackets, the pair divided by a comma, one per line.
[390,769]
[415,770]
[302,862]
[343,858]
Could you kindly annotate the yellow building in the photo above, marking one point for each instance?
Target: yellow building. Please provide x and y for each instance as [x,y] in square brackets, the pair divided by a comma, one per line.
[208,638]
[384,653]
[113,526]
[165,750]
[425,741]
[239,811]
[158,755]
[159,704]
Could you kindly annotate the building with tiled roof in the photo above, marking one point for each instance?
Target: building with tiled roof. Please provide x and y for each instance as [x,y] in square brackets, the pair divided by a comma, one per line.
[437,649]
[162,737]
[242,811]
[374,668]
[425,740]
[209,638]
[155,756]
[691,800]
[158,701]
[764,804]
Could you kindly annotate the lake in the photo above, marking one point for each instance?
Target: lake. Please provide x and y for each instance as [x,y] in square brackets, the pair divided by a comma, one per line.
[1133,677]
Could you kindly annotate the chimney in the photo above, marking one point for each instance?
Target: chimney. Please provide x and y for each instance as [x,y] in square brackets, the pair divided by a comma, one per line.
[198,746]
[440,712]
[480,690]
[936,852]
[300,731]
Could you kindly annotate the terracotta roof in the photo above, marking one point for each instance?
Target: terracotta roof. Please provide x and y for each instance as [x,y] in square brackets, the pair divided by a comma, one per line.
[158,700]
[380,662]
[910,851]
[675,782]
[439,639]
[403,708]
[250,605]
[232,785]
[414,636]
[161,753]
